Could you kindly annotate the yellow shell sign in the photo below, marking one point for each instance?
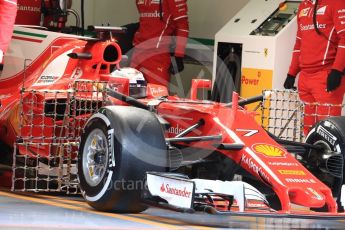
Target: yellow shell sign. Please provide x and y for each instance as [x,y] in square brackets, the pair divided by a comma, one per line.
[269,150]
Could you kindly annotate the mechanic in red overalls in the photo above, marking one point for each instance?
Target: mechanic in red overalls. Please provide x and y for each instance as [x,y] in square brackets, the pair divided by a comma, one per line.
[319,58]
[8,11]
[162,22]
[29,12]
[42,13]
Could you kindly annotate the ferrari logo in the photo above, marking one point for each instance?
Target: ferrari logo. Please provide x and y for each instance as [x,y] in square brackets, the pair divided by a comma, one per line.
[248,132]
[93,142]
[269,150]
[266,52]
[304,12]
[316,194]
[91,172]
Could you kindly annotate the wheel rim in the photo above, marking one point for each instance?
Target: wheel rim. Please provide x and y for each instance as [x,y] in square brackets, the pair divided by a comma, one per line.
[95,157]
[322,144]
[327,179]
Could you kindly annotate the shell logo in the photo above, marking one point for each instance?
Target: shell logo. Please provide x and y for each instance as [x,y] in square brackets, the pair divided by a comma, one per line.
[269,150]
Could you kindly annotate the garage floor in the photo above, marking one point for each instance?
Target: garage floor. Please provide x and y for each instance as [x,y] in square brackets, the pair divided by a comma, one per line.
[38,211]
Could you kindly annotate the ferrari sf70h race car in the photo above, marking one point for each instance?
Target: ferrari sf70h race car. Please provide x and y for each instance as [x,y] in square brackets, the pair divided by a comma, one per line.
[66,101]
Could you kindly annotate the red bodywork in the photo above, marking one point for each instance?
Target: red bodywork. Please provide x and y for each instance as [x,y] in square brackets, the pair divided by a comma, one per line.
[261,156]
[32,77]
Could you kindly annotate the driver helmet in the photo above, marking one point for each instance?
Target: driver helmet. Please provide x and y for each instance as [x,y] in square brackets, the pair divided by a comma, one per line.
[137,82]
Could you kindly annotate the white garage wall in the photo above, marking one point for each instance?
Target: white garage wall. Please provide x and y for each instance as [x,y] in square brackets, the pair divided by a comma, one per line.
[89,11]
[206,16]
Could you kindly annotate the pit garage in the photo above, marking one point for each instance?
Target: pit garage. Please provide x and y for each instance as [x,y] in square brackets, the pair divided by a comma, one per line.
[87,143]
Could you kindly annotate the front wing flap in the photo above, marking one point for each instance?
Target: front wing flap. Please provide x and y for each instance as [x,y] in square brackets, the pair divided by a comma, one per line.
[179,193]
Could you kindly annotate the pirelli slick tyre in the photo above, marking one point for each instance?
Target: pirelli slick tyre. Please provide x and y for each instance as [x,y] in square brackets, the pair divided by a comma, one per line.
[119,144]
[328,164]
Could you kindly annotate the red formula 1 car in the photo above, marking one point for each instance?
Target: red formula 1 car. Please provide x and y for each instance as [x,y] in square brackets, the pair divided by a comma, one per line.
[184,154]
[187,155]
[139,146]
[40,71]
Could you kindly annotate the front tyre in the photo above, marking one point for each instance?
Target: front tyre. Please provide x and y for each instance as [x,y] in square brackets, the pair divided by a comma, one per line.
[118,146]
[328,164]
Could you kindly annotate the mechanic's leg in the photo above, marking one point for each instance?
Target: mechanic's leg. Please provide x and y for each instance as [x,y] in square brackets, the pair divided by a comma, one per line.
[156,69]
[305,94]
[153,64]
[137,58]
[330,102]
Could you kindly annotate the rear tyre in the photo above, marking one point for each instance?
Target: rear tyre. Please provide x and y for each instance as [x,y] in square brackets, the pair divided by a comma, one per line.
[330,135]
[118,146]
[6,157]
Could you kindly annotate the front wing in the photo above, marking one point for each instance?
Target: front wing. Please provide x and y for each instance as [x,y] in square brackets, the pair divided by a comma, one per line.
[179,193]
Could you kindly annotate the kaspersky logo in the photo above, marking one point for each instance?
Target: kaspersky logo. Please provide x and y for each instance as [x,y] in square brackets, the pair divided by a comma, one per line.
[166,188]
[269,150]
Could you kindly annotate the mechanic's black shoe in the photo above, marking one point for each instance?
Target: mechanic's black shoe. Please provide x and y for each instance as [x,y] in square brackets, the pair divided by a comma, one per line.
[322,209]
[340,207]
[325,209]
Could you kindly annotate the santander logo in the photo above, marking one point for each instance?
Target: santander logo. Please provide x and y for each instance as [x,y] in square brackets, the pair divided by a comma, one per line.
[166,188]
[162,188]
